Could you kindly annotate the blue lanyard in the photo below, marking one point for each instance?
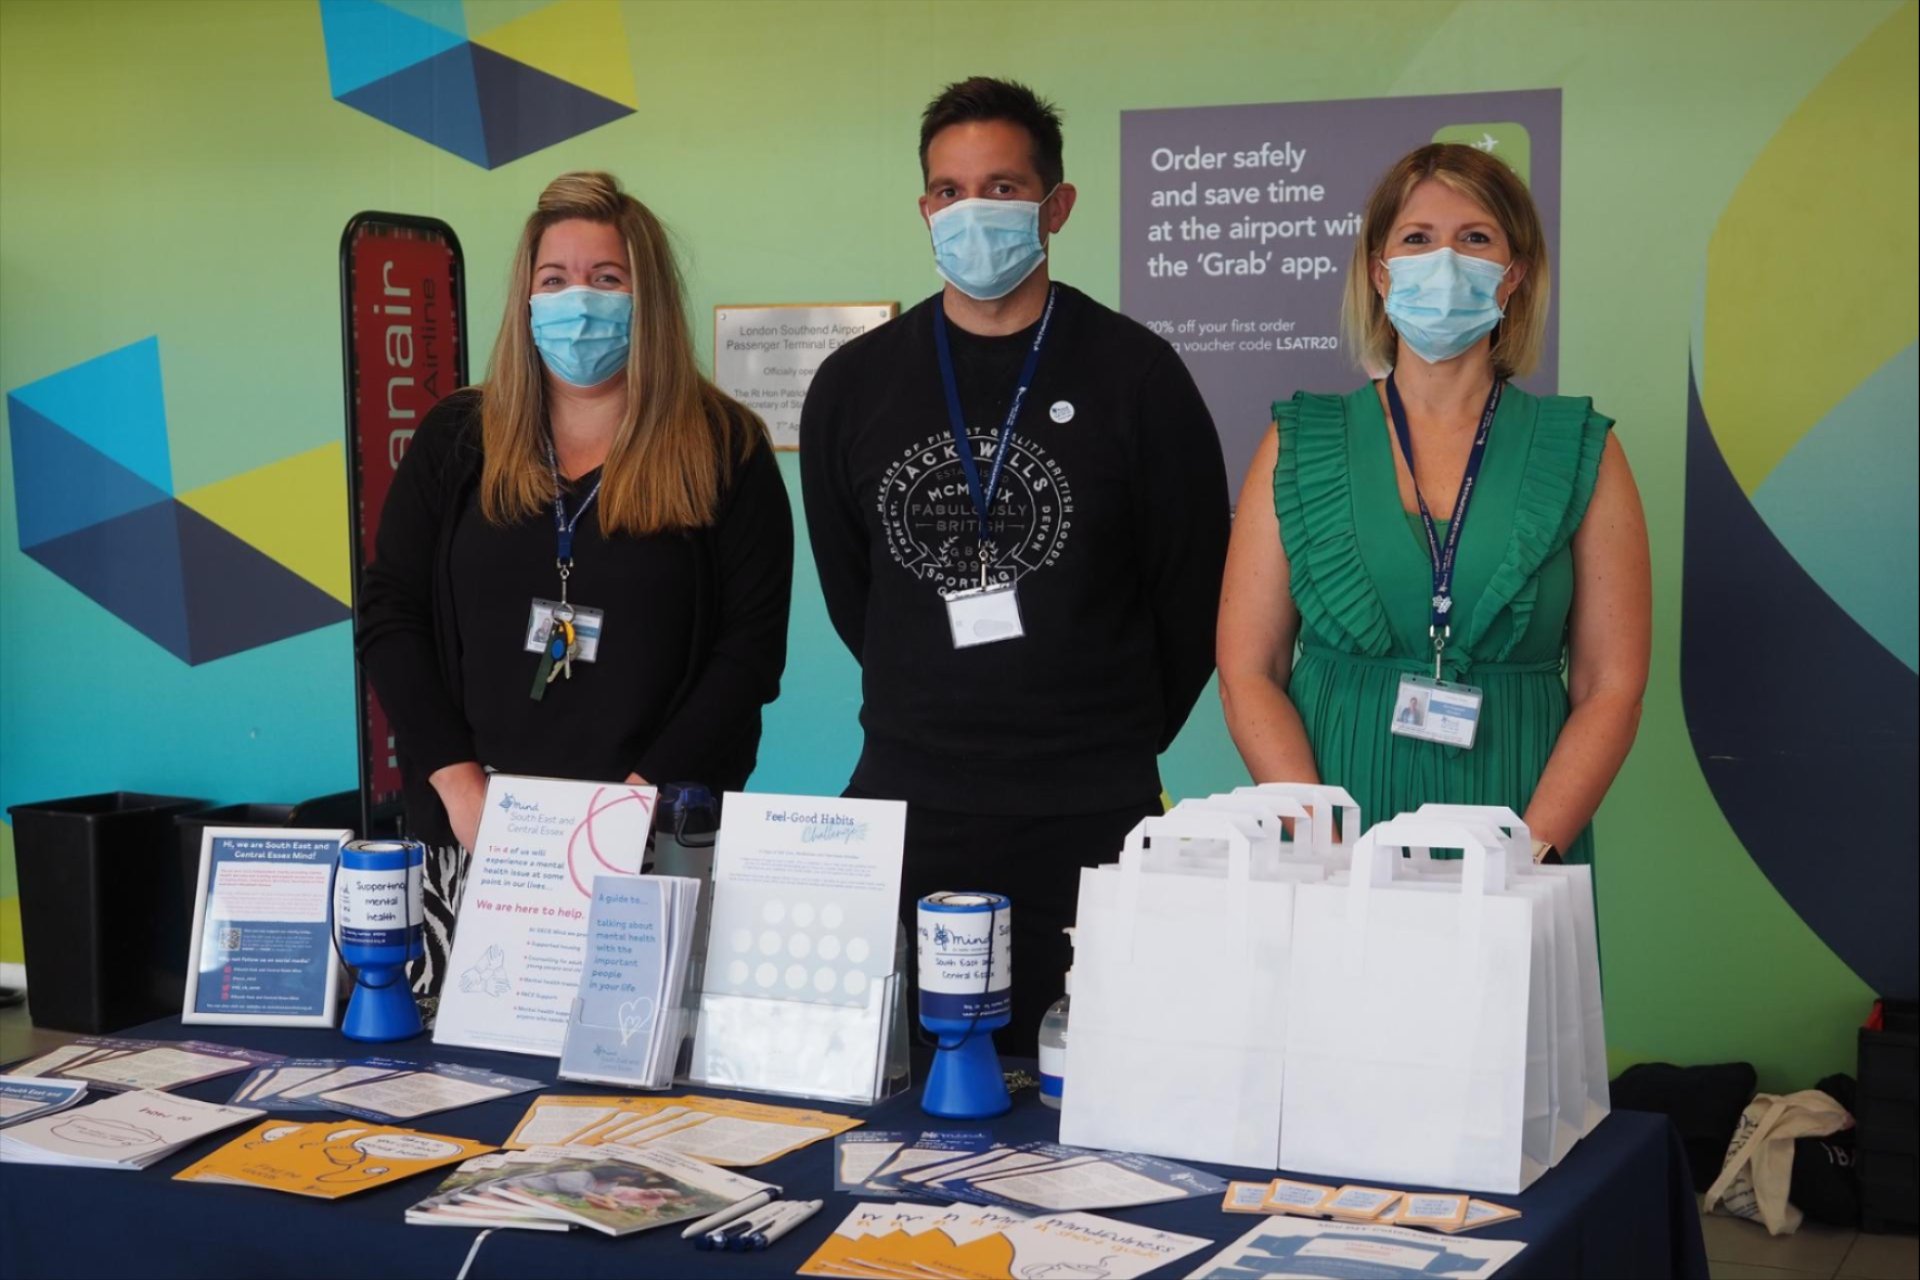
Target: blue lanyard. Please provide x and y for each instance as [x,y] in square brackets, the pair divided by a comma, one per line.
[564,558]
[1443,555]
[983,494]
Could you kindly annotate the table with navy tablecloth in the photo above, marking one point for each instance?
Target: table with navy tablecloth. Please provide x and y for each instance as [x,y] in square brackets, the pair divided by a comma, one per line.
[1620,1205]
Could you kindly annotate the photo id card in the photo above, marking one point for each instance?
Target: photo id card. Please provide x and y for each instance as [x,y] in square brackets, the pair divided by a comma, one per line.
[586,628]
[984,615]
[1437,711]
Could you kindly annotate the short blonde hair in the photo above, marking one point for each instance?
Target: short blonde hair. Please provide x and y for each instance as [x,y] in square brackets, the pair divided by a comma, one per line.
[676,446]
[1494,186]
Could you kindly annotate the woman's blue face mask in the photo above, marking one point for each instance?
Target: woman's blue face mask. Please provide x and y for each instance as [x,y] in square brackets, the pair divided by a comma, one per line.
[1443,302]
[582,333]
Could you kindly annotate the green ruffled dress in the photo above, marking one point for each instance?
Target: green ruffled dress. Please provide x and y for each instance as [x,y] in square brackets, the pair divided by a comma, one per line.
[1362,578]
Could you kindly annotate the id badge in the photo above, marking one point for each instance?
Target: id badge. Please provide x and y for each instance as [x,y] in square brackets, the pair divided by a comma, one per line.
[1436,711]
[984,615]
[586,629]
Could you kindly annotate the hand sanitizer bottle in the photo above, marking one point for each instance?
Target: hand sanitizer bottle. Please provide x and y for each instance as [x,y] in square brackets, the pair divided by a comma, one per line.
[1053,1045]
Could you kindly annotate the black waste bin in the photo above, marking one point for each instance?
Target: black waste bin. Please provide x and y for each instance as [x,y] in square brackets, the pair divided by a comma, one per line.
[96,873]
[175,940]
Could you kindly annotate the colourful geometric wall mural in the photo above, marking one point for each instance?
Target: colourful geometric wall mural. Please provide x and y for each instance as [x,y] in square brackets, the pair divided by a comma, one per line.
[1802,544]
[250,560]
[489,82]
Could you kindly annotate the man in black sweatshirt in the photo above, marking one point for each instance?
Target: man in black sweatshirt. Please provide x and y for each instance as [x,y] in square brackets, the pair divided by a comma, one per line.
[1019,513]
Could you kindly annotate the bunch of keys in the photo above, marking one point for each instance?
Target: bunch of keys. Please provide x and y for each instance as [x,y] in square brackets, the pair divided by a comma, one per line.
[557,657]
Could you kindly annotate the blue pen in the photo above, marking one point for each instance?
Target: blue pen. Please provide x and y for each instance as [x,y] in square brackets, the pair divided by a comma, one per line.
[797,1213]
[755,1223]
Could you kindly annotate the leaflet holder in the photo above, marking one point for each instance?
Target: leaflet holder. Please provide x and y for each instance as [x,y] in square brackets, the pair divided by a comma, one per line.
[798,1048]
[804,1048]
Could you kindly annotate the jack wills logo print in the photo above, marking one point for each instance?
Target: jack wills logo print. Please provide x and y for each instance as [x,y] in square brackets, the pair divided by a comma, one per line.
[928,516]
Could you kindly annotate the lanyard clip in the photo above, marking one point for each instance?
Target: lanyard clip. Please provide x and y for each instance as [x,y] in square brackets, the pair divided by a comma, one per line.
[986,555]
[1440,636]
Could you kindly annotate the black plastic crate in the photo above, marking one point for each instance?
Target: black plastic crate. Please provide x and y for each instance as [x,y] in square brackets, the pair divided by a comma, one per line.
[92,870]
[1885,1114]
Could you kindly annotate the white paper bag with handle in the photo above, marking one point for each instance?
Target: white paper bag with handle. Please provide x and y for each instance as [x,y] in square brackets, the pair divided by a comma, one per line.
[1554,1079]
[1586,945]
[1406,1052]
[1179,1002]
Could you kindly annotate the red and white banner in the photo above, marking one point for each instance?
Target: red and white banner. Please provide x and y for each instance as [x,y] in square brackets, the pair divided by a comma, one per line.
[402,312]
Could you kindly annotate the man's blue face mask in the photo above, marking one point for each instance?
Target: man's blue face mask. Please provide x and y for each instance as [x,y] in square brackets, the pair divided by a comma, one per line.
[986,248]
[1443,302]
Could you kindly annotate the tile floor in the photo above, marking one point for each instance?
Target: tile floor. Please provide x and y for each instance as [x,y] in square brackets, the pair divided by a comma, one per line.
[1737,1250]
[1741,1250]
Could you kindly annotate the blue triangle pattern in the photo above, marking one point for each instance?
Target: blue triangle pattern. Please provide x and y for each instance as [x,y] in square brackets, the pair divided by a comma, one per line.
[525,109]
[61,484]
[236,598]
[114,403]
[131,567]
[435,101]
[368,41]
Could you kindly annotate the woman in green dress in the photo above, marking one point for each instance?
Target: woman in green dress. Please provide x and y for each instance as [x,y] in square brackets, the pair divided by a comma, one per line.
[1440,519]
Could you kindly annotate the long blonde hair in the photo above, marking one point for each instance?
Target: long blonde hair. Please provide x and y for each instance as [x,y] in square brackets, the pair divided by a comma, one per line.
[674,450]
[1493,185]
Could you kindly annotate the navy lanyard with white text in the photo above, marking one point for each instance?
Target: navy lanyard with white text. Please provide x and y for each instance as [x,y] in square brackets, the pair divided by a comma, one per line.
[983,494]
[1443,555]
[563,558]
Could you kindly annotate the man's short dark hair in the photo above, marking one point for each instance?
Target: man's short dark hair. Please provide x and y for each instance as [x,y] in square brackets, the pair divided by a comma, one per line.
[984,98]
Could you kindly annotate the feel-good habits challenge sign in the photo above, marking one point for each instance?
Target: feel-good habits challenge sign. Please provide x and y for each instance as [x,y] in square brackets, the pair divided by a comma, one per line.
[1237,227]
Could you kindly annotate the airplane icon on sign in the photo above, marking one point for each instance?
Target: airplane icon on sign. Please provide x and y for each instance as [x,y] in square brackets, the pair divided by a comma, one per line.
[1487,142]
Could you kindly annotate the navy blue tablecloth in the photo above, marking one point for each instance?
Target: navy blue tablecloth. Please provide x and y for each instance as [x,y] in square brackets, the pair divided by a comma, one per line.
[1620,1206]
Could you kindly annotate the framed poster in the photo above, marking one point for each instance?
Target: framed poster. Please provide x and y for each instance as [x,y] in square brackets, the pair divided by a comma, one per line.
[765,354]
[261,952]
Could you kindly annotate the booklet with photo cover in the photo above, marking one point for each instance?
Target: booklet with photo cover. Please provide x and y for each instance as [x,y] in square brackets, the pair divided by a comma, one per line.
[627,1191]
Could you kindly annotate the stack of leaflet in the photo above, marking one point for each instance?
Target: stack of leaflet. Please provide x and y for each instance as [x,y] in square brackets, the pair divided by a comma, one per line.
[967,1242]
[1433,1210]
[27,1097]
[968,1166]
[627,1022]
[326,1161]
[720,1131]
[379,1089]
[606,1189]
[113,1064]
[1288,1246]
[126,1131]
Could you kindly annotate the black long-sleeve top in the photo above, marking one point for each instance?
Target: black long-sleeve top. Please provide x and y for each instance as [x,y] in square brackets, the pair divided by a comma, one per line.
[693,646]
[1112,516]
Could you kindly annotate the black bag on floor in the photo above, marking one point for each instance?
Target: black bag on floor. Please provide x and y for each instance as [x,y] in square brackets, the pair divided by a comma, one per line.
[1704,1103]
[1826,1172]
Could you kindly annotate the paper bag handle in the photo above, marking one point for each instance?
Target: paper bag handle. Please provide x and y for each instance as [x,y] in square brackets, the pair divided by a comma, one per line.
[1519,841]
[1316,794]
[1193,826]
[1279,807]
[1244,812]
[1376,854]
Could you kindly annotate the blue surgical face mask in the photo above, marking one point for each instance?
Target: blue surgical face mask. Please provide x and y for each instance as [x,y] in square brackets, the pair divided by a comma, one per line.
[583,333]
[1443,302]
[985,248]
